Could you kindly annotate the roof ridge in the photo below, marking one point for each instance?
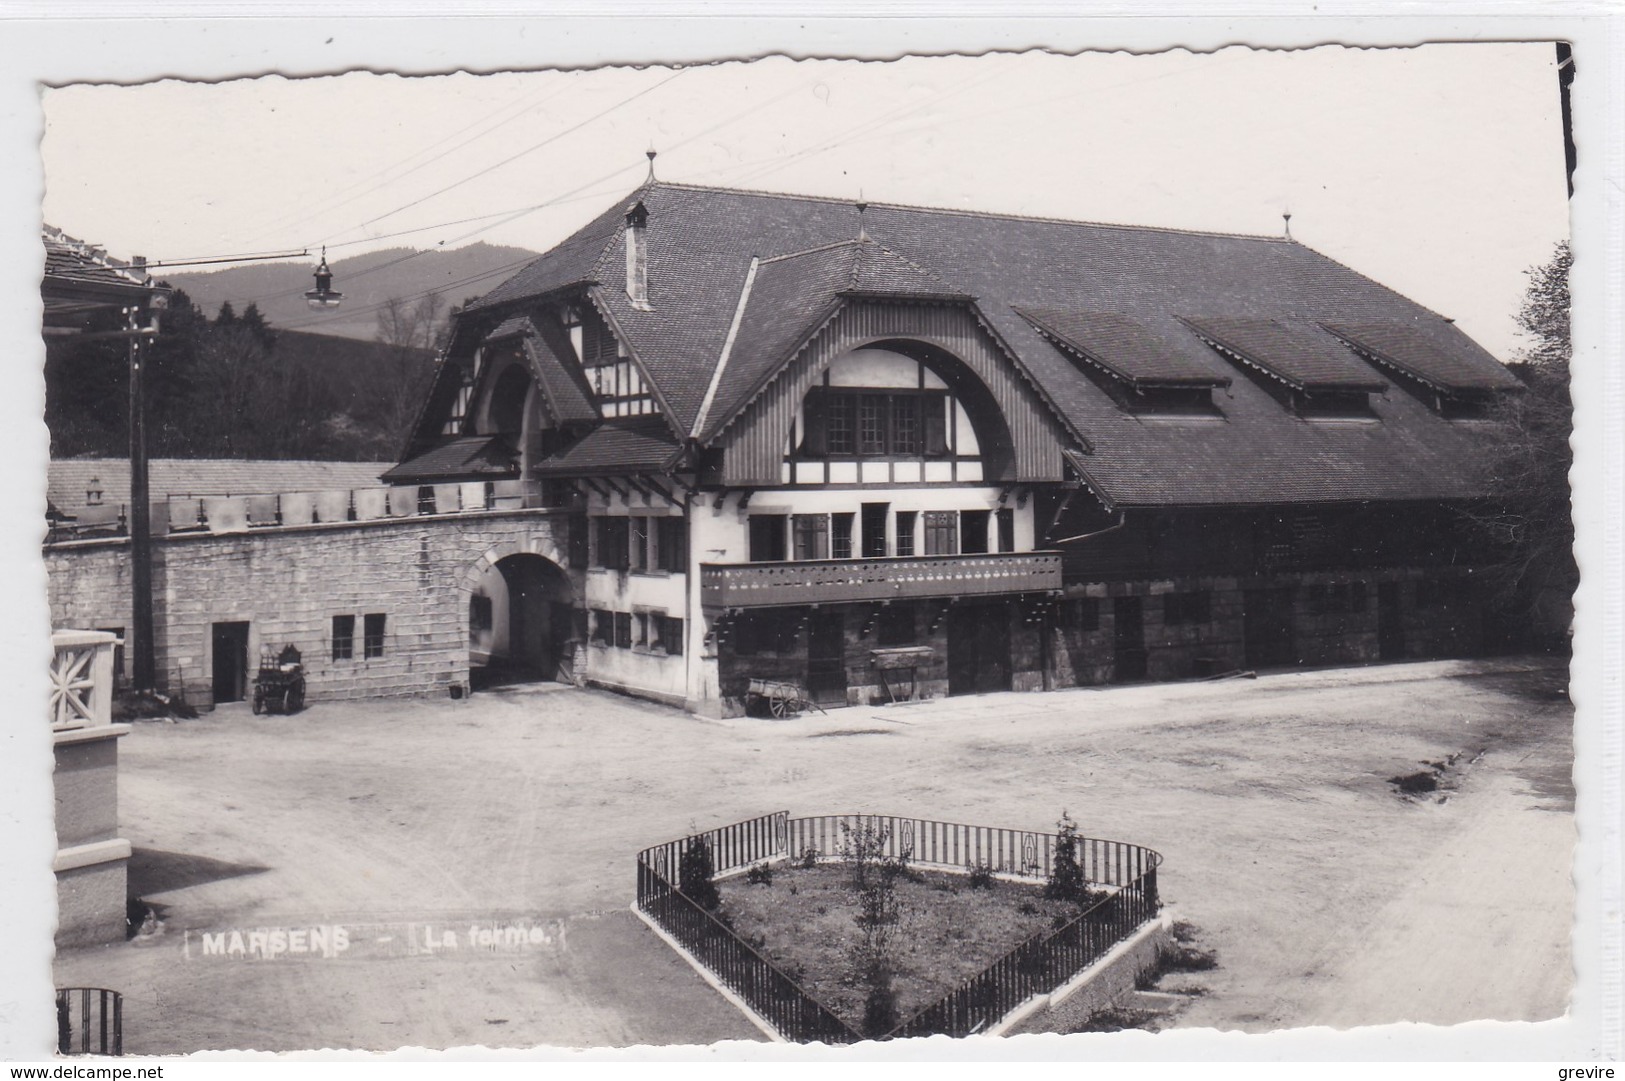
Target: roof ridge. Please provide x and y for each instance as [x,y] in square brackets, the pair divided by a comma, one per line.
[831,246]
[995,215]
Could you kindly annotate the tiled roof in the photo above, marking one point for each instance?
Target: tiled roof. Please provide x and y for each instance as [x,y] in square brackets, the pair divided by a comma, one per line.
[467,457]
[68,259]
[701,242]
[563,387]
[621,446]
[1408,350]
[68,479]
[1127,349]
[1303,357]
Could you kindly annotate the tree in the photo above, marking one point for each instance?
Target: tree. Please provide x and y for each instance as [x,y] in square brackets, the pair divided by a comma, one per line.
[1531,527]
[412,331]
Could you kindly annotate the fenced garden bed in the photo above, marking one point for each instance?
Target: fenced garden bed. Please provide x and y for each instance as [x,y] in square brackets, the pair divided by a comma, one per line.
[955,915]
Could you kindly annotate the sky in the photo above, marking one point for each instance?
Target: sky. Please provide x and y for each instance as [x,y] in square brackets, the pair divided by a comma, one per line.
[1437,170]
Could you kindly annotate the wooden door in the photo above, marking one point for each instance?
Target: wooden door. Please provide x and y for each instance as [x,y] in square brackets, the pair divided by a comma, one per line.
[826,658]
[1267,627]
[1128,639]
[229,643]
[978,648]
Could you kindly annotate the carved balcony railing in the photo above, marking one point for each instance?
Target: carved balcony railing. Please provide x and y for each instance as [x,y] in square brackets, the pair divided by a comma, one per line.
[82,679]
[836,581]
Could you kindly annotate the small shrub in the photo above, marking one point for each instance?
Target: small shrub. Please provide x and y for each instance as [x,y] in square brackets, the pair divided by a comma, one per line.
[793,890]
[981,877]
[809,857]
[694,872]
[761,875]
[1066,876]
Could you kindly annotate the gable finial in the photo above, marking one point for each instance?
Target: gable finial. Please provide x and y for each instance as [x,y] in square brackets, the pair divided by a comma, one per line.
[1286,216]
[650,154]
[862,206]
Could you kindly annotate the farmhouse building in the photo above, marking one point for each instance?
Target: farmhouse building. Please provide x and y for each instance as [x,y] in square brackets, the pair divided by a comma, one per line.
[862,447]
[719,438]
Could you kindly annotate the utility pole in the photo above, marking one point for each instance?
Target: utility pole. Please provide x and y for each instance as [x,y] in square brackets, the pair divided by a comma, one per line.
[143,666]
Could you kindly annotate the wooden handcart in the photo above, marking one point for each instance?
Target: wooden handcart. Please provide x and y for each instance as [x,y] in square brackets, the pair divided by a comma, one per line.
[778,698]
[280,685]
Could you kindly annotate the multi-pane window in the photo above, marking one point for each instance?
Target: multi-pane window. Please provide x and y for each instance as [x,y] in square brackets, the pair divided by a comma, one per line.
[905,424]
[905,532]
[899,424]
[1187,607]
[426,499]
[872,424]
[343,638]
[941,533]
[840,545]
[623,630]
[812,536]
[839,430]
[372,642]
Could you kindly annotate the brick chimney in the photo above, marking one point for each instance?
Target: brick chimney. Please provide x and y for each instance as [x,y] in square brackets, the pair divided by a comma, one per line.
[637,255]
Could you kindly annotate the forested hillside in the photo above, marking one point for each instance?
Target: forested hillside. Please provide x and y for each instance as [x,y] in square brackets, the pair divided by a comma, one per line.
[234,386]
[367,282]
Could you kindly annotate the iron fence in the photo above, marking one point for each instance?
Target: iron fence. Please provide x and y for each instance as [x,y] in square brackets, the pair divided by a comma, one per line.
[1127,872]
[89,1021]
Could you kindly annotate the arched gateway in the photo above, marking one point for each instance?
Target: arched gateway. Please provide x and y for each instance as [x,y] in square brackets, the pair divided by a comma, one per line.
[522,622]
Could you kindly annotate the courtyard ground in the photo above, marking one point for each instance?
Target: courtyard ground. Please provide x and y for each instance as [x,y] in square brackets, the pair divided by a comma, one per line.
[1328,897]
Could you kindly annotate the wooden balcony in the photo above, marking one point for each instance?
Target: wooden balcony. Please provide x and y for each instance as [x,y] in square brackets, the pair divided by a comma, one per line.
[841,581]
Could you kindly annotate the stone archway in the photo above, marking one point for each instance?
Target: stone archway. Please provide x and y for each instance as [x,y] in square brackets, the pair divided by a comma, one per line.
[521,617]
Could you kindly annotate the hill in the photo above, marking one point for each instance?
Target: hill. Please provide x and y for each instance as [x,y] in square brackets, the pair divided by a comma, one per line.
[365,280]
[212,394]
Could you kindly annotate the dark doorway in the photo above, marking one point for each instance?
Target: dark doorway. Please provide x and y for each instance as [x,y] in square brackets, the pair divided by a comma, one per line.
[536,641]
[1267,625]
[230,645]
[1390,627]
[1128,639]
[978,648]
[826,658]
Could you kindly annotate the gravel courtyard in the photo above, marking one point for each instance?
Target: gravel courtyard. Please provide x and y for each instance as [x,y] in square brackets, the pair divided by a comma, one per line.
[1328,897]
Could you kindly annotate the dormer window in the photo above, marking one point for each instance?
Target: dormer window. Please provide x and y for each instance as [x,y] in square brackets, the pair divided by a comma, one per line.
[1333,404]
[93,492]
[1452,376]
[1168,401]
[1139,367]
[1302,367]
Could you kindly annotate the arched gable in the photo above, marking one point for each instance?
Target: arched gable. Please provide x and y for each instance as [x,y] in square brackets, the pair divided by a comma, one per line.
[753,445]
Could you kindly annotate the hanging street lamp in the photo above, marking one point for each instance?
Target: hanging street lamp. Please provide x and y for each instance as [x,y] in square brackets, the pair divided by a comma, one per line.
[323,295]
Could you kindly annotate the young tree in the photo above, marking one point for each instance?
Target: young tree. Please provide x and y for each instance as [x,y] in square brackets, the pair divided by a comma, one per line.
[412,331]
[1531,526]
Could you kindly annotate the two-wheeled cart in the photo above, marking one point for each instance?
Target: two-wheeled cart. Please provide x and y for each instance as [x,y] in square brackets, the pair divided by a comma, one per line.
[280,685]
[778,698]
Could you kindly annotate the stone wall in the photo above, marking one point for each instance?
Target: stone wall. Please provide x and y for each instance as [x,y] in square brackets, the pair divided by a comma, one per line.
[288,584]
